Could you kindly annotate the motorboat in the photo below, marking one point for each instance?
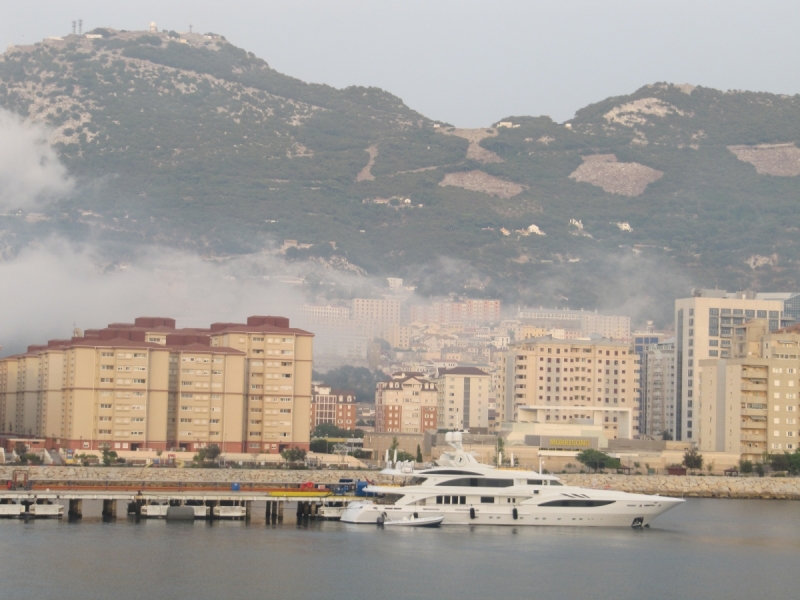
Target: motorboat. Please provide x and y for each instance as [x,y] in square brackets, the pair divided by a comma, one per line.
[464,491]
[332,508]
[412,521]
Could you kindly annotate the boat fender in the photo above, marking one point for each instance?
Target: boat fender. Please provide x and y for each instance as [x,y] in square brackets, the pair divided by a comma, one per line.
[381,519]
[515,514]
[416,515]
[472,512]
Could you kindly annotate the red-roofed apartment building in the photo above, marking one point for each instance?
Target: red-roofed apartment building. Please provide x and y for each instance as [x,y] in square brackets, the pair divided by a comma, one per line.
[147,384]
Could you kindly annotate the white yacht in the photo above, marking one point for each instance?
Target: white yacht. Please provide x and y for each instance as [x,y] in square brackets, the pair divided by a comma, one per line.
[466,492]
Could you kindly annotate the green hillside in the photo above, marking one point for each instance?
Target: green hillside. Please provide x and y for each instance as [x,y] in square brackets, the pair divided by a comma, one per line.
[189,141]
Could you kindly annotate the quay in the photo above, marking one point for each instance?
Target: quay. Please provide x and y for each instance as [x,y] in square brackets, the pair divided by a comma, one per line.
[200,504]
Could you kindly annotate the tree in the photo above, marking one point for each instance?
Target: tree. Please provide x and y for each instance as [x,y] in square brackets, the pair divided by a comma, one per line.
[109,456]
[212,452]
[500,448]
[759,468]
[780,462]
[666,435]
[745,466]
[419,454]
[692,459]
[319,445]
[597,460]
[293,455]
[403,456]
[395,445]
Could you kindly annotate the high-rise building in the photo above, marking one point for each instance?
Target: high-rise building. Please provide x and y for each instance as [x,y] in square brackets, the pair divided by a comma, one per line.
[245,387]
[658,388]
[406,404]
[642,340]
[574,381]
[463,398]
[704,328]
[748,404]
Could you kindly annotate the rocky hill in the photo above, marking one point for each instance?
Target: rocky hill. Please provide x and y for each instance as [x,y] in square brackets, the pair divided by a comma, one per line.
[189,141]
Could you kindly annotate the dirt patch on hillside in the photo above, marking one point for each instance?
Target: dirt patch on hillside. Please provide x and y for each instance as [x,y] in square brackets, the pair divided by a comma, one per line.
[478,181]
[475,151]
[636,112]
[366,173]
[781,160]
[626,179]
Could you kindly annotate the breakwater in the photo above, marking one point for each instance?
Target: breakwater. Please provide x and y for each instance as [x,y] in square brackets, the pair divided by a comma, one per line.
[779,488]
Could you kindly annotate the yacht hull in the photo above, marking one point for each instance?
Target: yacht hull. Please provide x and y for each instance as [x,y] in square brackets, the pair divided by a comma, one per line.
[531,515]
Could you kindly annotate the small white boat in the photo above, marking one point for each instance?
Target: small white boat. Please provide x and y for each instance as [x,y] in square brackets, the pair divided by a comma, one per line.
[332,509]
[412,521]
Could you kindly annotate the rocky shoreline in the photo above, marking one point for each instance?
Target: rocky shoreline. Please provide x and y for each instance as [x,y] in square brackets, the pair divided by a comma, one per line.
[778,488]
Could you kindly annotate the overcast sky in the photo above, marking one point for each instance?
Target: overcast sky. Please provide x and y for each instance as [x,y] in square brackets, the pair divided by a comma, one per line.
[471,63]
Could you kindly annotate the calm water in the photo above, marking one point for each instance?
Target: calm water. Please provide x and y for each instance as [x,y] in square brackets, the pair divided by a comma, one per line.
[703,549]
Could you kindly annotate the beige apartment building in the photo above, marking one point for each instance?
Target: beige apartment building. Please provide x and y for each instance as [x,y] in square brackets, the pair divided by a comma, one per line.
[704,328]
[385,311]
[583,382]
[150,385]
[408,403]
[749,404]
[463,398]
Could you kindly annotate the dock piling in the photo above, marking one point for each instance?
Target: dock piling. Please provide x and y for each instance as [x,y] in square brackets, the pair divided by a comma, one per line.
[109,509]
[75,509]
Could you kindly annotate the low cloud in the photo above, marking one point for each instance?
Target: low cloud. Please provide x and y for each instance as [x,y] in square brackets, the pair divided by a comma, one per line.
[30,171]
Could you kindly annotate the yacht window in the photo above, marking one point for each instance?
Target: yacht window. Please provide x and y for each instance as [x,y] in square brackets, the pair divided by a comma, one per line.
[554,482]
[535,482]
[463,499]
[577,503]
[416,481]
[478,482]
[449,472]
[447,499]
[438,499]
[487,499]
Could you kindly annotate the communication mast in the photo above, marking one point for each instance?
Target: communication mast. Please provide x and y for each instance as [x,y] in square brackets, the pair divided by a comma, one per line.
[80,26]
[74,24]
[190,28]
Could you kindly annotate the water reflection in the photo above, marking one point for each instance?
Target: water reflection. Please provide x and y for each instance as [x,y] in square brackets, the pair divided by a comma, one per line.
[703,549]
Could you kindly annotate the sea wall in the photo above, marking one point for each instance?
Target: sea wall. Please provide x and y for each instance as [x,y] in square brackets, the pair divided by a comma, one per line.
[689,486]
[779,488]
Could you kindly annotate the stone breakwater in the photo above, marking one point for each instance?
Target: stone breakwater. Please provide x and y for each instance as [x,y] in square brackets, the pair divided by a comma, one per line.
[187,477]
[779,488]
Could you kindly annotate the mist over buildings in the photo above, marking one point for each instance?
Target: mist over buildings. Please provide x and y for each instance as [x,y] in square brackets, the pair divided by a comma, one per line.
[60,283]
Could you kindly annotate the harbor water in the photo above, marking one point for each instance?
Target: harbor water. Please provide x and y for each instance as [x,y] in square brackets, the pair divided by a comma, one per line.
[709,549]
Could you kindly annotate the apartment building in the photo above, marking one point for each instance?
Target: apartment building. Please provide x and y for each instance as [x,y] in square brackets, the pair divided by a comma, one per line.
[317,313]
[594,382]
[463,398]
[453,311]
[407,403]
[748,404]
[658,388]
[333,407]
[385,311]
[704,328]
[615,327]
[245,387]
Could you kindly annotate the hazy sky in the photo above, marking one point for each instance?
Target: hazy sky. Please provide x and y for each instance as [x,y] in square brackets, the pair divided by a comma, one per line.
[468,62]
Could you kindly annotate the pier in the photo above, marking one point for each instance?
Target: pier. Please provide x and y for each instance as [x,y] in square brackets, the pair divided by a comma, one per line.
[188,504]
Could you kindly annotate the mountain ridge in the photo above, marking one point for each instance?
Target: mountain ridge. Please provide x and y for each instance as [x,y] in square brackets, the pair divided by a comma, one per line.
[212,150]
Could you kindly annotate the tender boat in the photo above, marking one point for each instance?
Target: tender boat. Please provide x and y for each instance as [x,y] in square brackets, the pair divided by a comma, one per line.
[464,491]
[412,521]
[332,509]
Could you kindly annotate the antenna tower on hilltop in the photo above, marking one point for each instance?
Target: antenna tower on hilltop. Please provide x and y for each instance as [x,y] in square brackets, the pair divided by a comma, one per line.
[190,28]
[74,24]
[80,26]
